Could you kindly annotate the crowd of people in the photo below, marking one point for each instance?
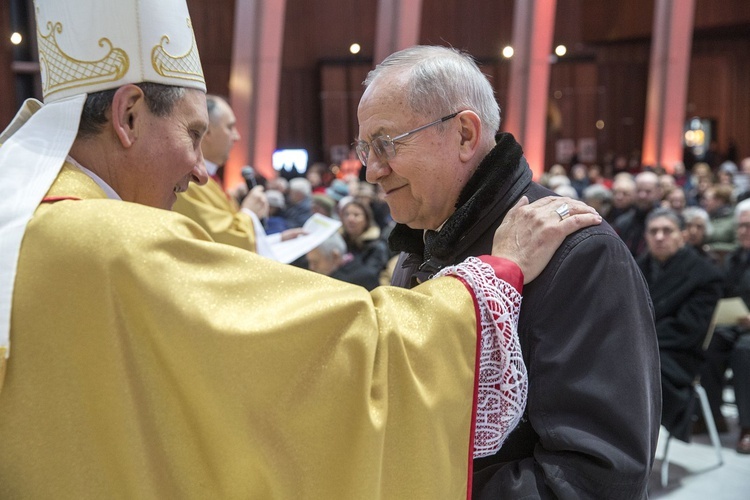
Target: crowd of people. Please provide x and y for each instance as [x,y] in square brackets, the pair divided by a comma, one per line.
[689,233]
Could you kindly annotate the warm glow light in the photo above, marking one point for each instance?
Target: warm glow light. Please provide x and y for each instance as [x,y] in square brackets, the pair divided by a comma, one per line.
[508,52]
[561,50]
[16,38]
[600,124]
[558,94]
[355,48]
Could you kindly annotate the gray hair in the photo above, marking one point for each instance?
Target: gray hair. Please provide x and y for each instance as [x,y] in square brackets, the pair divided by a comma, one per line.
[692,213]
[443,80]
[597,192]
[669,214]
[160,100]
[211,105]
[335,243]
[300,185]
[743,206]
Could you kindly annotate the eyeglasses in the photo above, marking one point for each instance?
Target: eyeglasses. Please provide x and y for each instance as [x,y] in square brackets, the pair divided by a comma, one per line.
[384,146]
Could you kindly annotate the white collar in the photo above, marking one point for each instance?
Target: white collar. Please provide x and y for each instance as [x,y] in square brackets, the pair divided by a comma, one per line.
[111,194]
[211,167]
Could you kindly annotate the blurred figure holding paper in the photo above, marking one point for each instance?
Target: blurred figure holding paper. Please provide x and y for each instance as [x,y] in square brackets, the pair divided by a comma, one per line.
[211,207]
[730,345]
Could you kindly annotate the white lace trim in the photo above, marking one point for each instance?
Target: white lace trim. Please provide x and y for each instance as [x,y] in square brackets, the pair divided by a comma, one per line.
[503,381]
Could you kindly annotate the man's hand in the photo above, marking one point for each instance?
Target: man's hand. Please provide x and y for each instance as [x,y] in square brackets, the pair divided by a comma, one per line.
[290,234]
[238,191]
[257,202]
[530,233]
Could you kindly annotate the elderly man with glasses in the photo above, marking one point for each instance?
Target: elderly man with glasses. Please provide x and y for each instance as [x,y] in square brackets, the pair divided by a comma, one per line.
[428,119]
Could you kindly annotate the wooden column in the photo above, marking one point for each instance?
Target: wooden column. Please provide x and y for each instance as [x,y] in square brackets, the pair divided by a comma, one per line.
[526,113]
[667,83]
[397,26]
[254,85]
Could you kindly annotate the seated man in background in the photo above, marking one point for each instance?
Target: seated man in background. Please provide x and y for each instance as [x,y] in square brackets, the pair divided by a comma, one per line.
[697,228]
[684,289]
[717,200]
[331,259]
[623,196]
[631,225]
[730,345]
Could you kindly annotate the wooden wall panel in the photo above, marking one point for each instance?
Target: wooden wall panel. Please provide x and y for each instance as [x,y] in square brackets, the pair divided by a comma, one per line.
[213,24]
[616,20]
[623,79]
[299,112]
[574,105]
[710,14]
[341,90]
[482,30]
[324,30]
[719,79]
[8,105]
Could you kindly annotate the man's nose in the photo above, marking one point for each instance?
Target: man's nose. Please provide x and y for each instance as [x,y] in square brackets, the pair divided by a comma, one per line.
[199,175]
[376,169]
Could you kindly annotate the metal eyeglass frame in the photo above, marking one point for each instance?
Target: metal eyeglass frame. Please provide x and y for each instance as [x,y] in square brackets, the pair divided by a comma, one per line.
[384,146]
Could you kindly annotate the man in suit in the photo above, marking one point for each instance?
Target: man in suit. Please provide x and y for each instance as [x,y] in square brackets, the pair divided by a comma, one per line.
[684,288]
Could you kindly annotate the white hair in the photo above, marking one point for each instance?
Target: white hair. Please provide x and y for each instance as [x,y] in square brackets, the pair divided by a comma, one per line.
[692,213]
[335,243]
[566,190]
[441,81]
[743,206]
[300,185]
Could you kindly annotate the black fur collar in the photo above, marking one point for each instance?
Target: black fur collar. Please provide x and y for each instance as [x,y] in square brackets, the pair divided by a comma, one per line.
[481,191]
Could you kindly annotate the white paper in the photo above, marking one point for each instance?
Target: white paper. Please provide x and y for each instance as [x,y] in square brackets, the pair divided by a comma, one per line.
[728,311]
[318,228]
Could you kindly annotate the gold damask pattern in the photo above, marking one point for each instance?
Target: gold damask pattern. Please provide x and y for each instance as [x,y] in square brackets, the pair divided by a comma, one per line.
[186,66]
[62,71]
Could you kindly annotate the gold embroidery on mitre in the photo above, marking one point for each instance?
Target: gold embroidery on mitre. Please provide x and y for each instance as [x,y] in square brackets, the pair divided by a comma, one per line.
[65,72]
[186,66]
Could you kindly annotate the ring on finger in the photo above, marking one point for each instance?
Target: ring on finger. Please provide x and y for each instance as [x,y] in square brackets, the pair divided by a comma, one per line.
[563,211]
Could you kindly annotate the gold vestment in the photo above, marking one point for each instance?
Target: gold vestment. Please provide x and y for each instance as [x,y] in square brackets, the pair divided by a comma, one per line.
[209,206]
[150,362]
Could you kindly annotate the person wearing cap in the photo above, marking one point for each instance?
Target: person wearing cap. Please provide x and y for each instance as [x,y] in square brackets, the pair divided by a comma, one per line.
[210,206]
[141,359]
[428,121]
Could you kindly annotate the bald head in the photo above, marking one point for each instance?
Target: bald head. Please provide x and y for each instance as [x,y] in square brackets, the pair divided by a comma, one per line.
[647,190]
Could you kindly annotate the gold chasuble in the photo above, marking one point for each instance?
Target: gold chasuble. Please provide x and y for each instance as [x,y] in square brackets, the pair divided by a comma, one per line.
[209,206]
[150,362]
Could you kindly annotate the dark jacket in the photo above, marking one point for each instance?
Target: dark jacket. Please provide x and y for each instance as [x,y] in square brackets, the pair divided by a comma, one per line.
[684,291]
[367,257]
[587,335]
[631,227]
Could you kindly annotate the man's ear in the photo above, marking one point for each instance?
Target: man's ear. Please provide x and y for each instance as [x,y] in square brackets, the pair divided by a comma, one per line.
[128,107]
[470,131]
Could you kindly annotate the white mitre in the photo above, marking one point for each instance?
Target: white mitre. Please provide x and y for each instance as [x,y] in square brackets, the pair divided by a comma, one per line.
[85,46]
